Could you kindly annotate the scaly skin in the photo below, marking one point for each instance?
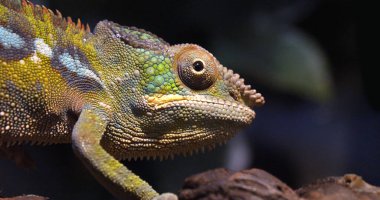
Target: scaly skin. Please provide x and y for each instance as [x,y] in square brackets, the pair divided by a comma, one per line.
[117,93]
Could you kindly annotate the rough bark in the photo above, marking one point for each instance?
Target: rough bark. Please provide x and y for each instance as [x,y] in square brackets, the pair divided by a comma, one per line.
[257,184]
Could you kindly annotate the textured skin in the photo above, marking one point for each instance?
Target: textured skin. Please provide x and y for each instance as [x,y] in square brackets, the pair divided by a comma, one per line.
[117,93]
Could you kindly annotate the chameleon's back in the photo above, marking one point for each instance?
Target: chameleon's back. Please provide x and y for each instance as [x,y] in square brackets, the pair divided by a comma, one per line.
[36,104]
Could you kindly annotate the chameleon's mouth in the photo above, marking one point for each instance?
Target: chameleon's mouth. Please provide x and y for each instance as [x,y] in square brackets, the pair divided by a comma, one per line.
[198,107]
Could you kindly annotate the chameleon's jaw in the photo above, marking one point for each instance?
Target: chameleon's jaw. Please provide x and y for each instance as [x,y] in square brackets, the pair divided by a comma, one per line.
[182,125]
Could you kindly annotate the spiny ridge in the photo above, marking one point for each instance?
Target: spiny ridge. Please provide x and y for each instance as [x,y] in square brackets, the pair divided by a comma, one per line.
[251,96]
[57,18]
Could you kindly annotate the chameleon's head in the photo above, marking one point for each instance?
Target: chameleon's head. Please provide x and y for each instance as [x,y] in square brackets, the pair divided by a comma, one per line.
[185,99]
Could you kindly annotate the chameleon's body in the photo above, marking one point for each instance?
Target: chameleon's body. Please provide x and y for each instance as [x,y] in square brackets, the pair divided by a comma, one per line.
[117,93]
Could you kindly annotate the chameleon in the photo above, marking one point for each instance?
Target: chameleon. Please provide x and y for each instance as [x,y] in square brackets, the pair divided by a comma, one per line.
[114,93]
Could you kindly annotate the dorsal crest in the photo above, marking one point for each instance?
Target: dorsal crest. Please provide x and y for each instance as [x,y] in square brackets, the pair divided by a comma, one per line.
[40,12]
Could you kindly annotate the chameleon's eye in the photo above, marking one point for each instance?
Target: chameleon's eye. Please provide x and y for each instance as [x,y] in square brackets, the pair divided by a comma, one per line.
[196,70]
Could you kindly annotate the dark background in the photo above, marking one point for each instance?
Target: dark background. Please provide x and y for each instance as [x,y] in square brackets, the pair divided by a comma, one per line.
[314,61]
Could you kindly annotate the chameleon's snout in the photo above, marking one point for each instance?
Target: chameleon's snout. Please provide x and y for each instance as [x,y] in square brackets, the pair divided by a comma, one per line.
[198,110]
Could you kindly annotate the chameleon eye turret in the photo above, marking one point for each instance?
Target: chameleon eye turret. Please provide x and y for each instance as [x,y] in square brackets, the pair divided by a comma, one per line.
[196,69]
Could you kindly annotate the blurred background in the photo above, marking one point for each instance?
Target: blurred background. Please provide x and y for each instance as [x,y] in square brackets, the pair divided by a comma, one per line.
[311,59]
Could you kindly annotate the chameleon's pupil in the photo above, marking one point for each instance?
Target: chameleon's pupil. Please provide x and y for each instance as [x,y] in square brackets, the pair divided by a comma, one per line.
[198,66]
